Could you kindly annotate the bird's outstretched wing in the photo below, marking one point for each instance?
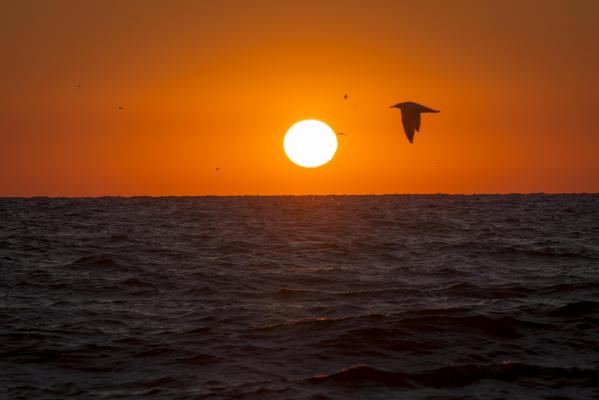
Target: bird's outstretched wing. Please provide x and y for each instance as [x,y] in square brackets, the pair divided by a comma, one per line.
[411,123]
[426,109]
[411,106]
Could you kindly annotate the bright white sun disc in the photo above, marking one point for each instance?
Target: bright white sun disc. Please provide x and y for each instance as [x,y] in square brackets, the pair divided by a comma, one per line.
[310,143]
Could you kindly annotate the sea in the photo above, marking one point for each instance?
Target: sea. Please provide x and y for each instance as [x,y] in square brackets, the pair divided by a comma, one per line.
[300,297]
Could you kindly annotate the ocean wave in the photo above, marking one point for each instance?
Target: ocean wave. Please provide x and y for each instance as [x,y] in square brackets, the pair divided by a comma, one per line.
[462,375]
[468,289]
[492,327]
[99,262]
[569,288]
[577,310]
[423,322]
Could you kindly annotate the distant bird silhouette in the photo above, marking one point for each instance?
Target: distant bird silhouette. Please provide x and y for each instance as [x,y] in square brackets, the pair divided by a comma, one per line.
[121,108]
[340,133]
[217,169]
[345,97]
[79,86]
[410,117]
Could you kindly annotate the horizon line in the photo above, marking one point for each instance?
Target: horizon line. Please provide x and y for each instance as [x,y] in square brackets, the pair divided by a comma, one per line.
[2,197]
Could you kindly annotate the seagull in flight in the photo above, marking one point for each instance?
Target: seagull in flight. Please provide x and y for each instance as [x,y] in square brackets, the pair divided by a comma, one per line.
[410,117]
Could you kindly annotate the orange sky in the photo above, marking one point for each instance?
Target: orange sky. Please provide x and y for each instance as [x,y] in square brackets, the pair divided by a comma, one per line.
[217,84]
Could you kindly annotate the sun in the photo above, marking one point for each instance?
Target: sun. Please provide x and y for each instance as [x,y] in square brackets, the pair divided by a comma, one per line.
[310,143]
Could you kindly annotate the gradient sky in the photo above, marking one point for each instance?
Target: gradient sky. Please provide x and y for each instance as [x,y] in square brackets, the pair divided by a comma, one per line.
[217,84]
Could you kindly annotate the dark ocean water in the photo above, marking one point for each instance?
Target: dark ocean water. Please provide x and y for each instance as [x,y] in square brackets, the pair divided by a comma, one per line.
[357,297]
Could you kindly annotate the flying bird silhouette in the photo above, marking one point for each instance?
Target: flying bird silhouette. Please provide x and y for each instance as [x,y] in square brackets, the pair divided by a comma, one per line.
[345,97]
[340,133]
[410,117]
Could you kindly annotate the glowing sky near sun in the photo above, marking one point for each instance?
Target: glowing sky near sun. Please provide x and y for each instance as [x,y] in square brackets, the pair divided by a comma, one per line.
[217,84]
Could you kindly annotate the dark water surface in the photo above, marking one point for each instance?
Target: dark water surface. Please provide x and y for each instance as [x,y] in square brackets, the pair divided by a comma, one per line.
[366,297]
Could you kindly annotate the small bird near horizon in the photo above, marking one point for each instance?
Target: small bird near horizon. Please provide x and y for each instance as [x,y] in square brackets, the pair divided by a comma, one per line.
[410,117]
[340,133]
[345,97]
[217,169]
